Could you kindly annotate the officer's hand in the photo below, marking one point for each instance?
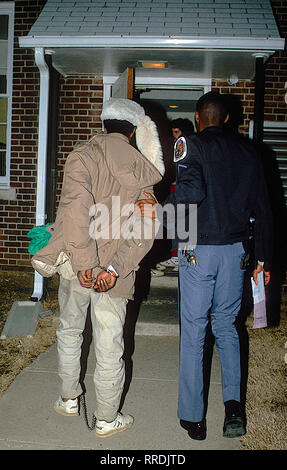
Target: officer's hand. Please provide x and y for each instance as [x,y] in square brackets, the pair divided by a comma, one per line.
[105,282]
[147,206]
[267,275]
[85,278]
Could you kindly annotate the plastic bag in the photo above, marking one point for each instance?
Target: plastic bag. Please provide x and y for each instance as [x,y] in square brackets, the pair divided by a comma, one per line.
[258,291]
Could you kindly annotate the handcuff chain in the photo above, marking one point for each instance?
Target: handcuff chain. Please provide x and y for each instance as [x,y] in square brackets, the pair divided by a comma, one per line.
[82,403]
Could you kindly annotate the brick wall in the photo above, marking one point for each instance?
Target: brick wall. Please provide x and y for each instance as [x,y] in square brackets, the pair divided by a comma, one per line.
[79,115]
[17,217]
[276,71]
[243,91]
[275,108]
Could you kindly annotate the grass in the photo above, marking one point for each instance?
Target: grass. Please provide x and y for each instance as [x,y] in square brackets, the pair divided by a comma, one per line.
[266,404]
[17,353]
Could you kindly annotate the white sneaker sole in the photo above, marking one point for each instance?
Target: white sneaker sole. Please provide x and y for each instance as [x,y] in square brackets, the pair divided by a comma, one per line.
[61,411]
[114,431]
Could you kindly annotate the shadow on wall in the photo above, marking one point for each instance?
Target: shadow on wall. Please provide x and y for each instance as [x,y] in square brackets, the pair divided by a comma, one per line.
[279,211]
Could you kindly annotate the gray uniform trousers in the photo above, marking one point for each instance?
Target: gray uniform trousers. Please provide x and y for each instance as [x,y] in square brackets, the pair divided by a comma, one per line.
[108,318]
[210,290]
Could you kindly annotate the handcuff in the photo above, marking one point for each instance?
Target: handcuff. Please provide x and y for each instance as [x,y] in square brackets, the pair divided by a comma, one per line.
[112,273]
[109,271]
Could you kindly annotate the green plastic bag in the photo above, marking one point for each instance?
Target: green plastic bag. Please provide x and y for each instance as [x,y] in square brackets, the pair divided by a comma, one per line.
[40,237]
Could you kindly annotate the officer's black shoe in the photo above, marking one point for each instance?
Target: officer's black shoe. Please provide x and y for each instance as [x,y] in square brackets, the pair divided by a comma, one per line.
[233,422]
[195,430]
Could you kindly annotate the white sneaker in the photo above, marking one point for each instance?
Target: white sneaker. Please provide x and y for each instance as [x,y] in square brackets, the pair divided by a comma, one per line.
[169,263]
[156,273]
[67,408]
[121,423]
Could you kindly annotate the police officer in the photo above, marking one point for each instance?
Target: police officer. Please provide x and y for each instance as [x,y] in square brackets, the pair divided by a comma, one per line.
[221,173]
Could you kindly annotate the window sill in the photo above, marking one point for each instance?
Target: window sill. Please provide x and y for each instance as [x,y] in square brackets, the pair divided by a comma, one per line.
[8,194]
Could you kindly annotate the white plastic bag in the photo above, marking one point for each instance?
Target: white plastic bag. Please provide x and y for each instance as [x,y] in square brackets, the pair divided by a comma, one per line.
[259,300]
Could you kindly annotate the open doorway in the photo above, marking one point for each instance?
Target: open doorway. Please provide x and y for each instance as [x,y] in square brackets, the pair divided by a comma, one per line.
[164,99]
[165,104]
[177,102]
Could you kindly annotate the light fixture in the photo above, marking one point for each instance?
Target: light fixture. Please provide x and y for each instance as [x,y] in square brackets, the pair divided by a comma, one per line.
[232,80]
[153,65]
[173,106]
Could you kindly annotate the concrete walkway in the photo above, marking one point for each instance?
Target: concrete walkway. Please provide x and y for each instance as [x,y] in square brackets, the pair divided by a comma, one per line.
[28,421]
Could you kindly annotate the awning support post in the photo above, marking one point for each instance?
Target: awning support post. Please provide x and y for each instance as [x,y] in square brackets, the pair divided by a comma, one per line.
[259,98]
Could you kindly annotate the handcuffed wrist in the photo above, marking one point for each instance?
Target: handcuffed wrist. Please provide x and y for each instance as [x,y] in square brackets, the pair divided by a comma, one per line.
[112,271]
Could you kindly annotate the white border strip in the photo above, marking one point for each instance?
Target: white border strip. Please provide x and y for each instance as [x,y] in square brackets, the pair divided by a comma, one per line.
[151,42]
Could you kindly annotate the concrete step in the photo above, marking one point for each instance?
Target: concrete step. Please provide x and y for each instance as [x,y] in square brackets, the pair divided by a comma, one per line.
[157,312]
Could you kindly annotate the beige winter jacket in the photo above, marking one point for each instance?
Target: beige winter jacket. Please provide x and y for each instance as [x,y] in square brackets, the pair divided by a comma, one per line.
[105,170]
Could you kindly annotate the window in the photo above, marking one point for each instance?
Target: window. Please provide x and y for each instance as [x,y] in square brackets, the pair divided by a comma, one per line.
[6,62]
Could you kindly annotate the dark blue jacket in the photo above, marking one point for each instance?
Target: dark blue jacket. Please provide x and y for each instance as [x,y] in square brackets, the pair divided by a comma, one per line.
[222,174]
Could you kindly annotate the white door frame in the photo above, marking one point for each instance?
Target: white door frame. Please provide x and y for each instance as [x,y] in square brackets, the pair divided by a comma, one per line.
[168,82]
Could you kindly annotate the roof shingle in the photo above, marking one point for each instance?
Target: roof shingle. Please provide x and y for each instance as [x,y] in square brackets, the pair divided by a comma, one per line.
[245,18]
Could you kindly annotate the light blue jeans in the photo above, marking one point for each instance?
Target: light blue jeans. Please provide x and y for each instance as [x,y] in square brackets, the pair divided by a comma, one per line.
[210,290]
[108,317]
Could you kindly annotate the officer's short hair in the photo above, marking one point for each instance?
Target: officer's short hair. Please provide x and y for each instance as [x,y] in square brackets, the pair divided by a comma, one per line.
[211,107]
[115,125]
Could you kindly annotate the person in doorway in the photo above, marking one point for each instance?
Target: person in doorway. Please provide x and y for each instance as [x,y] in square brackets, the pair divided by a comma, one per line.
[221,173]
[180,128]
[95,255]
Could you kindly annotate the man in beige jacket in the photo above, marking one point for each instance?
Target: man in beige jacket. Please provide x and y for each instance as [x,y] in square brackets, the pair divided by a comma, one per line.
[97,242]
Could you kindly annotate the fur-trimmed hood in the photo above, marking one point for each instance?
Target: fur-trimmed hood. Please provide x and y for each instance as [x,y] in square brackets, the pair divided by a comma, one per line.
[147,138]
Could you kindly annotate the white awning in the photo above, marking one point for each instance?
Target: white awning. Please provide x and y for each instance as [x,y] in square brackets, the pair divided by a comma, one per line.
[206,39]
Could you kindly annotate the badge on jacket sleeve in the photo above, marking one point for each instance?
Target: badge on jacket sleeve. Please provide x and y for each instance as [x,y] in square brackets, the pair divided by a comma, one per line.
[180,149]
